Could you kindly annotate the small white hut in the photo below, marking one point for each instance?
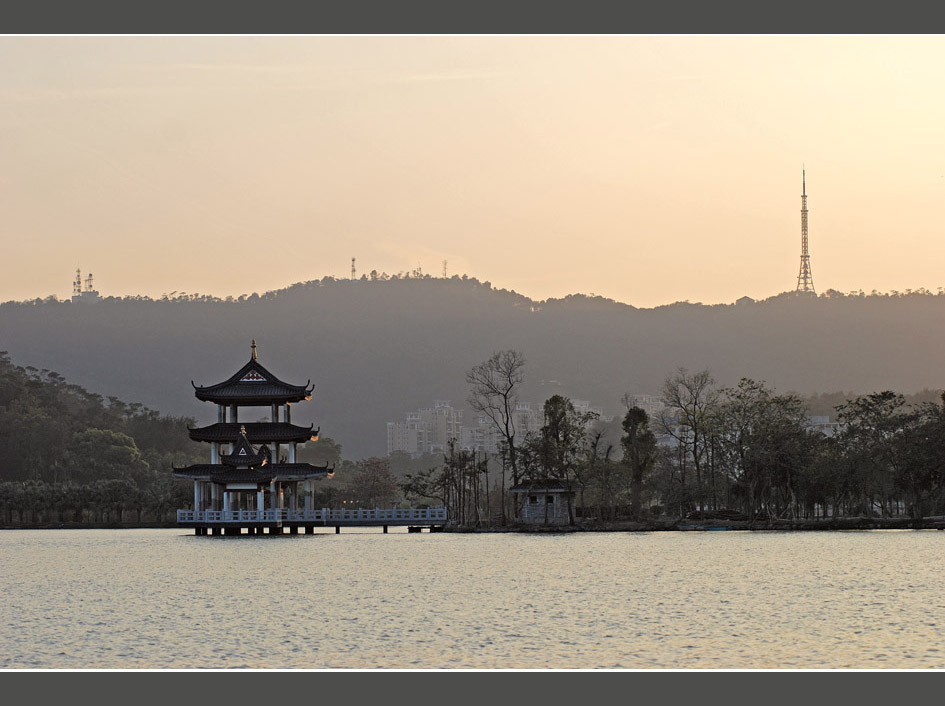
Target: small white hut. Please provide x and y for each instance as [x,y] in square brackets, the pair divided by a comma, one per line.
[544,501]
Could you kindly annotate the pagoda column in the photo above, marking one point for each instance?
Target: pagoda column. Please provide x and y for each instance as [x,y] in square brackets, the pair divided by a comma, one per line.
[288,417]
[214,497]
[214,452]
[233,414]
[308,496]
[196,496]
[273,496]
[281,496]
[292,452]
[221,414]
[275,412]
[260,500]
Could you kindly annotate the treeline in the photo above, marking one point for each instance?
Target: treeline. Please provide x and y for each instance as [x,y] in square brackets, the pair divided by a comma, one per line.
[418,274]
[182,297]
[740,453]
[71,456]
[750,449]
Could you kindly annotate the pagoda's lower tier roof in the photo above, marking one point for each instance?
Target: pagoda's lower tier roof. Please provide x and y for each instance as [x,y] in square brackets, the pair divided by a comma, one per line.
[219,473]
[256,432]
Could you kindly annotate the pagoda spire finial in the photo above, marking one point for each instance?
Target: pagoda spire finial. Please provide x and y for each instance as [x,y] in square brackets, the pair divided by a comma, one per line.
[254,349]
[242,430]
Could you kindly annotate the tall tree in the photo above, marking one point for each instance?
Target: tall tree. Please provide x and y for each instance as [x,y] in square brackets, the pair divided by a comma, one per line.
[639,451]
[494,386]
[690,401]
[602,475]
[559,449]
[373,485]
[764,445]
[878,442]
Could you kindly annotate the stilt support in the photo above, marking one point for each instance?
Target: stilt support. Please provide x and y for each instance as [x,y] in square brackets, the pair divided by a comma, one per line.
[414,530]
[385,529]
[293,530]
[337,529]
[309,529]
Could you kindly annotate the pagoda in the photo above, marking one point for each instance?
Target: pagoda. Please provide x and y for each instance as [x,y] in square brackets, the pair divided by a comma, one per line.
[253,480]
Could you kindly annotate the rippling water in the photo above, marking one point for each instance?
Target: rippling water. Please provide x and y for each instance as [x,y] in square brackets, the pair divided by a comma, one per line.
[165,598]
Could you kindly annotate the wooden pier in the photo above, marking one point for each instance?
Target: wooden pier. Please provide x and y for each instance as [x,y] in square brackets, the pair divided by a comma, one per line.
[282,521]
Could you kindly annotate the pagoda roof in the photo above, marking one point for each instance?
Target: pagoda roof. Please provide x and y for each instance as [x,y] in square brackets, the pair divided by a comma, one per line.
[244,454]
[253,384]
[256,432]
[219,473]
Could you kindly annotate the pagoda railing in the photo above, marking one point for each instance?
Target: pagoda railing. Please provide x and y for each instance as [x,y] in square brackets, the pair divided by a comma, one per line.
[326,516]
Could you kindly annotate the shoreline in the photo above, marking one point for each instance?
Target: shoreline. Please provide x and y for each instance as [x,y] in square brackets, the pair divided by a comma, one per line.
[832,525]
[839,525]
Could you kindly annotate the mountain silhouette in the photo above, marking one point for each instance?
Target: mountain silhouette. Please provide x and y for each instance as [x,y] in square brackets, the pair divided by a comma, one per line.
[378,348]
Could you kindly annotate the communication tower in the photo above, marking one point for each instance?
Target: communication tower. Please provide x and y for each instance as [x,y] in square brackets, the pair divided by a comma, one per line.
[805,280]
[444,269]
[353,271]
[83,295]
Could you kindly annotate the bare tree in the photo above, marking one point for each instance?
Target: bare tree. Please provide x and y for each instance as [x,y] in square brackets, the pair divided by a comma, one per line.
[494,386]
[691,401]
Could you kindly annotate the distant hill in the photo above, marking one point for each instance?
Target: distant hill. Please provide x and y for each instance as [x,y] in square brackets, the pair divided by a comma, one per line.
[378,348]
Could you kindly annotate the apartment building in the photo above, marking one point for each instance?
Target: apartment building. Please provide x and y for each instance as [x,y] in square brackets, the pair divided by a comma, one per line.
[430,430]
[427,430]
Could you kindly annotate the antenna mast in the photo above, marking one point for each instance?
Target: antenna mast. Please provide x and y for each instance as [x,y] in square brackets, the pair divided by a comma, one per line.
[353,271]
[805,280]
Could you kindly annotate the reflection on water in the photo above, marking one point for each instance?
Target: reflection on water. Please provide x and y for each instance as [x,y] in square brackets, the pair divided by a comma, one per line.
[164,598]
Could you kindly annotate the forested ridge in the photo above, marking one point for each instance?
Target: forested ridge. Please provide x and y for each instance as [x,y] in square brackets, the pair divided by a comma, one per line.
[380,346]
[69,456]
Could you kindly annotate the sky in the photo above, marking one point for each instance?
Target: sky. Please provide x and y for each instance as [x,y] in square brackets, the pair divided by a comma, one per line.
[646,169]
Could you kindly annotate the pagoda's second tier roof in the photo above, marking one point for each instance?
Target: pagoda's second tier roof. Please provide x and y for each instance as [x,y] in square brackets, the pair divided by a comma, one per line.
[256,432]
[253,385]
[219,473]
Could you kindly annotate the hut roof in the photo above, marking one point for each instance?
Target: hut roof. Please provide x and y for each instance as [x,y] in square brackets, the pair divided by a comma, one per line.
[544,485]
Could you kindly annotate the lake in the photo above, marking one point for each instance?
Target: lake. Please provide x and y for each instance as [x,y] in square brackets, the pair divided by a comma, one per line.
[127,599]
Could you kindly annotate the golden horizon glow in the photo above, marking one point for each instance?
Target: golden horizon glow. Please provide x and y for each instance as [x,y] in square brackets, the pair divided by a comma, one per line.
[646,169]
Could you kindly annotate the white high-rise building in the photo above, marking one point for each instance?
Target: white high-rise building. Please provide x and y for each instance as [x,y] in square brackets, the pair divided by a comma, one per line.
[428,430]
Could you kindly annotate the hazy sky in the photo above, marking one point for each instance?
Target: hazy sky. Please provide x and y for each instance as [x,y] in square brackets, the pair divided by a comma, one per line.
[645,169]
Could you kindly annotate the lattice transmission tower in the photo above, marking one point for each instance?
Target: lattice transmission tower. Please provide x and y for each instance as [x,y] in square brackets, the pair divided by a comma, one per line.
[805,280]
